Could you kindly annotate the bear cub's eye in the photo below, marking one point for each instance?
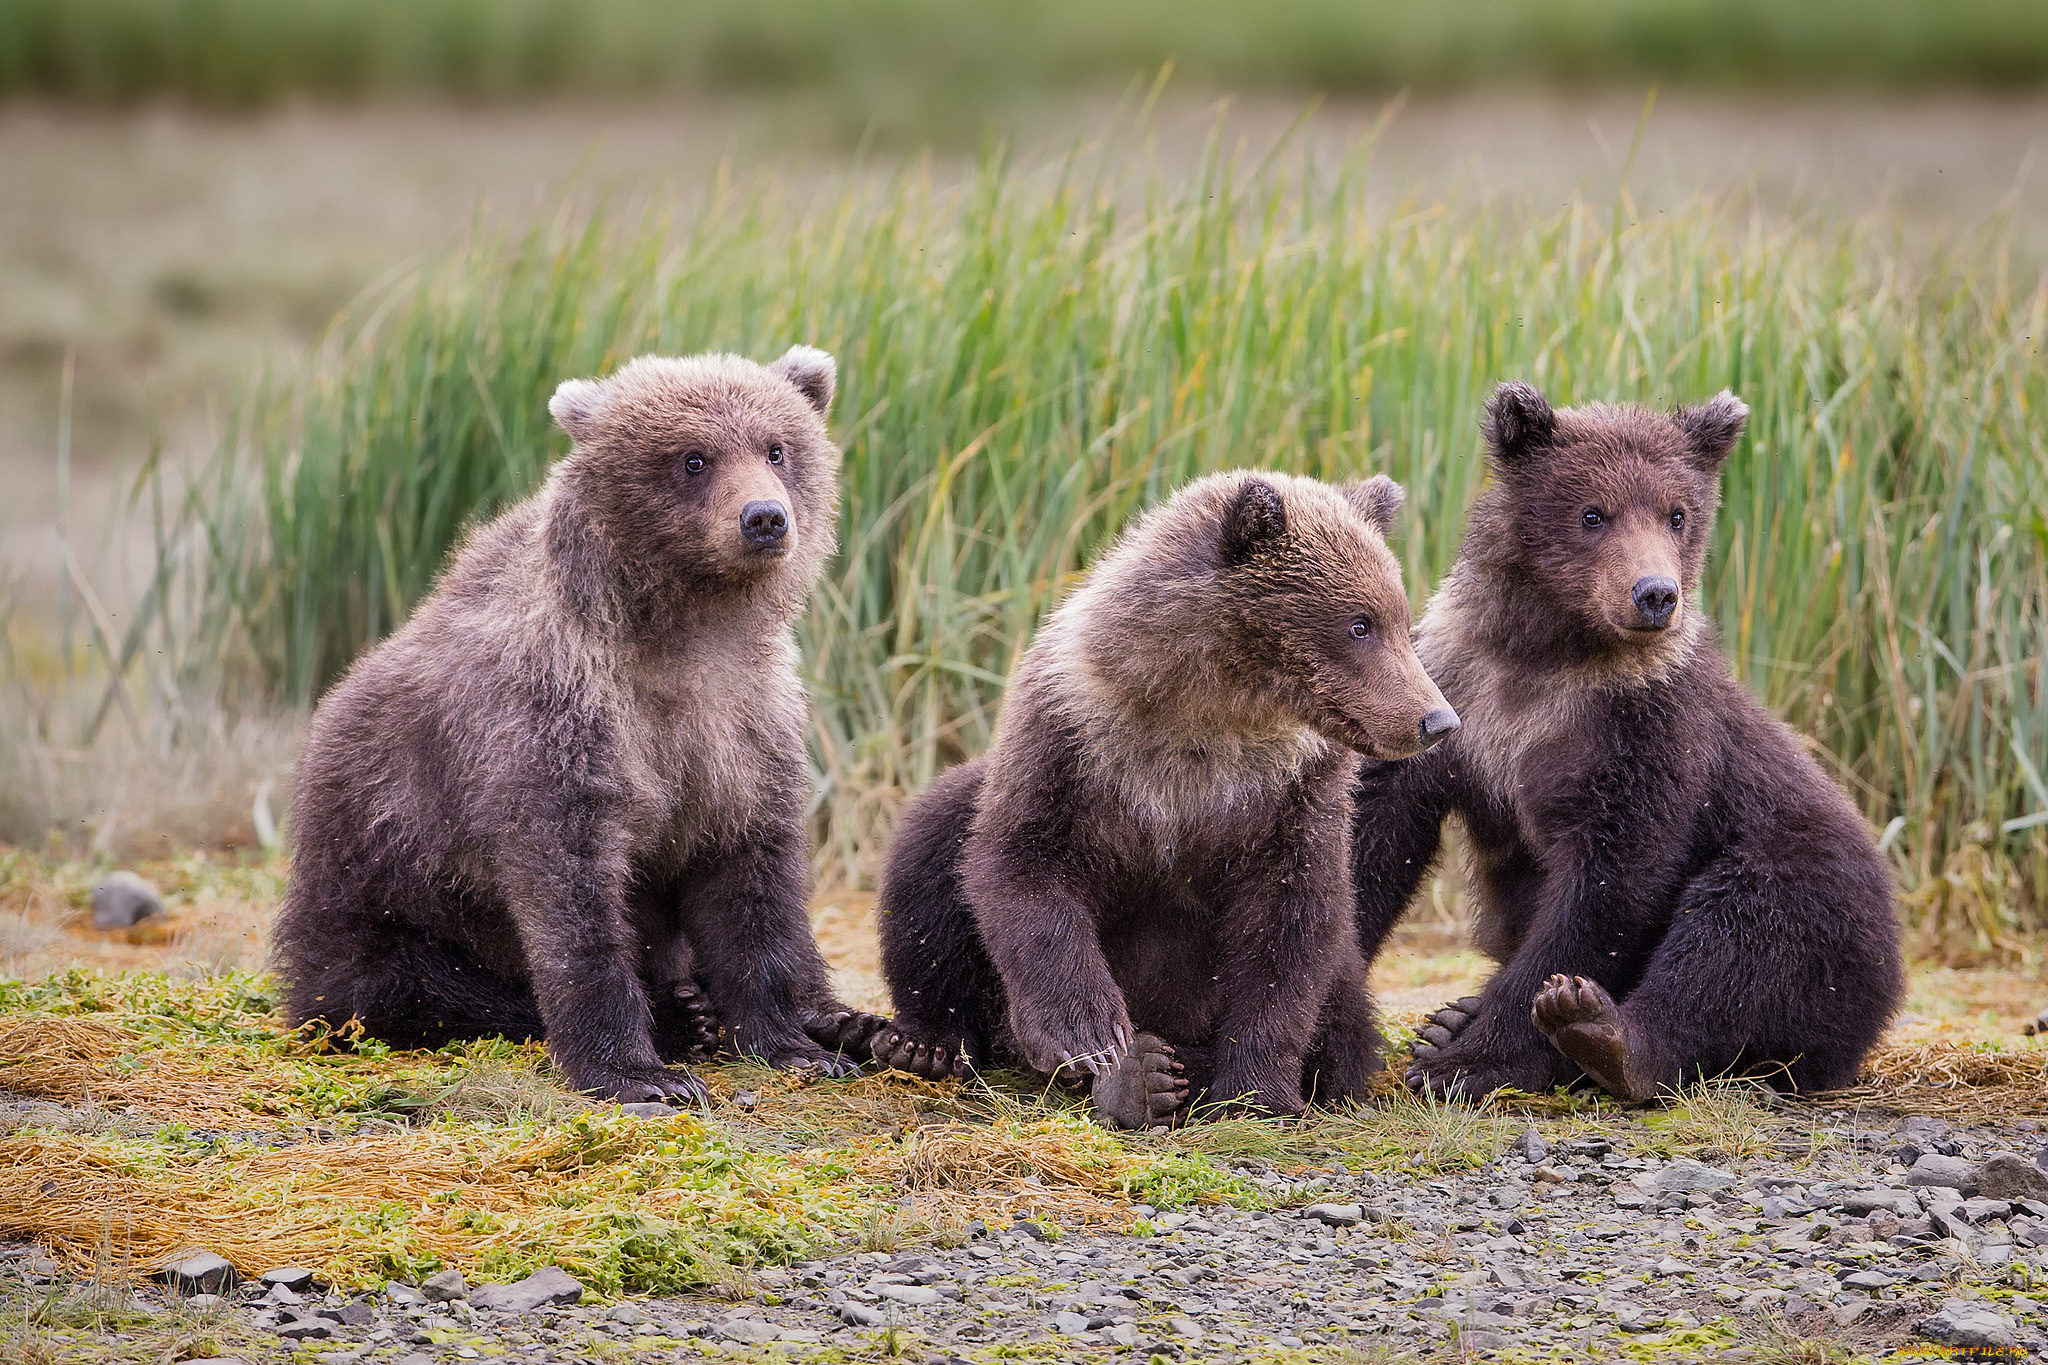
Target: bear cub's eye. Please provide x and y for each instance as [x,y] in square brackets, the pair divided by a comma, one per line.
[1361,628]
[1593,517]
[1678,520]
[775,452]
[694,462]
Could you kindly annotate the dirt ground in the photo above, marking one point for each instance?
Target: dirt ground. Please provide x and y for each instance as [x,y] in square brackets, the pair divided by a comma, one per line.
[171,257]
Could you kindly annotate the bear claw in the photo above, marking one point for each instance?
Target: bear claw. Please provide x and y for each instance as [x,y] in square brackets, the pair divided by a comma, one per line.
[1445,1025]
[1147,1088]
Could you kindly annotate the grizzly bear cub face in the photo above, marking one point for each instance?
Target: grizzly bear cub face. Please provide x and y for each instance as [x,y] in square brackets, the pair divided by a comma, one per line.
[1320,616]
[1605,512]
[709,473]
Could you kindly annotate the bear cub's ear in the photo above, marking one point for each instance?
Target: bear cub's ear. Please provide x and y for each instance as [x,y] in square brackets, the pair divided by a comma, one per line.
[1518,422]
[1377,499]
[1256,517]
[575,407]
[814,372]
[1712,429]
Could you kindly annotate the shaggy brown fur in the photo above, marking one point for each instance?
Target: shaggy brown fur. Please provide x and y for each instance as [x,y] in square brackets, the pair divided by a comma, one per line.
[1642,830]
[1143,881]
[566,799]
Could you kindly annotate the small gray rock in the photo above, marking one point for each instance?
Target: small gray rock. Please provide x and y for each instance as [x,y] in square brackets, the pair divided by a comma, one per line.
[1861,1202]
[1185,1327]
[308,1328]
[293,1277]
[750,1331]
[1869,1281]
[2008,1175]
[445,1285]
[916,1295]
[860,1315]
[404,1295]
[348,1314]
[1070,1324]
[123,899]
[200,1272]
[650,1109]
[1336,1215]
[1962,1322]
[550,1284]
[1531,1147]
[1685,1176]
[1934,1171]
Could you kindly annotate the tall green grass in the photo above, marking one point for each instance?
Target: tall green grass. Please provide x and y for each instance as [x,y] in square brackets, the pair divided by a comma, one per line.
[1030,358]
[881,56]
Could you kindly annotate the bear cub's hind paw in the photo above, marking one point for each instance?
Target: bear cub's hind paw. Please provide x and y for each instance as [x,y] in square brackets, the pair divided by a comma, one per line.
[1580,1019]
[1147,1088]
[1445,1025]
[854,1034]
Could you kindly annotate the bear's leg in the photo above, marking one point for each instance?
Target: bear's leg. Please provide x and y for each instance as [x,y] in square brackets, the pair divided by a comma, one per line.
[409,989]
[1346,1054]
[1788,971]
[947,993]
[685,1024]
[743,910]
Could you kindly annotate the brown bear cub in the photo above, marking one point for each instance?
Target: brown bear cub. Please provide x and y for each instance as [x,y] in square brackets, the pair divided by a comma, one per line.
[567,798]
[1143,884]
[1673,887]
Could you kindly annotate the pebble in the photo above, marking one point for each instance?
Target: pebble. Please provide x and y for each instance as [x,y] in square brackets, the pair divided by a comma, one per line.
[1336,1215]
[550,1284]
[1962,1322]
[1935,1171]
[2008,1175]
[122,900]
[198,1272]
[650,1109]
[293,1277]
[444,1285]
[917,1296]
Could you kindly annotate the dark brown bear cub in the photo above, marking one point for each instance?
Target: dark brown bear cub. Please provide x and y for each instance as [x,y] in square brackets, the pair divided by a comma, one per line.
[1673,888]
[1144,882]
[566,800]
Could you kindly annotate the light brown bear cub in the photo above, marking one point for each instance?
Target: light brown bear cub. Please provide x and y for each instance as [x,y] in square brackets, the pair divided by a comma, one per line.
[566,799]
[1144,883]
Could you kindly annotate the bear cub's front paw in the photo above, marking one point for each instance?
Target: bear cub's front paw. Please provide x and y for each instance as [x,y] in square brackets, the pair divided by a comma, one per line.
[676,1085]
[1074,1039]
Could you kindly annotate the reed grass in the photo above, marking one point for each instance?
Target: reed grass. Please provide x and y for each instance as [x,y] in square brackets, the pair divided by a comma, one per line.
[1029,358]
[897,59]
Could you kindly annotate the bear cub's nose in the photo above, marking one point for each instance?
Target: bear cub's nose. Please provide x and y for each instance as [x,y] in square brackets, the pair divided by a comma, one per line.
[1436,724]
[1656,598]
[764,523]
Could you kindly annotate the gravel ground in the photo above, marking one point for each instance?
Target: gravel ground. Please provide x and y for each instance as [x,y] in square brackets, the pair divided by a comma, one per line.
[1911,1240]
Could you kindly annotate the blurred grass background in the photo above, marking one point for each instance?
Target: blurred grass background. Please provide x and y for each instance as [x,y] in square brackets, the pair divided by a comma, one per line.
[1030,358]
[938,54]
[1032,350]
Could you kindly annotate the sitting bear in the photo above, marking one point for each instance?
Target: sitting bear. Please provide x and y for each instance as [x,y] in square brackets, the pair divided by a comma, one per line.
[1142,886]
[566,800]
[1673,887]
